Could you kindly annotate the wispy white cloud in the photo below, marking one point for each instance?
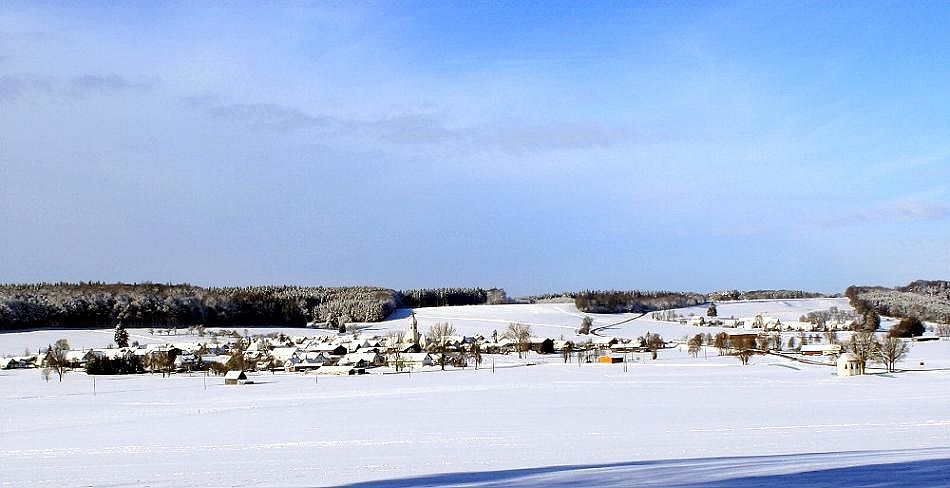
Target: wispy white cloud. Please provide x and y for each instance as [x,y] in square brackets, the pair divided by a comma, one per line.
[409,128]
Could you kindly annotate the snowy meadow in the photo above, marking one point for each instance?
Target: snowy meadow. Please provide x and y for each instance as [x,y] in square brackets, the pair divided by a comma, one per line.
[539,421]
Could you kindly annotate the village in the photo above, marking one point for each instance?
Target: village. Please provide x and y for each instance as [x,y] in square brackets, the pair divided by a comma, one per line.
[358,350]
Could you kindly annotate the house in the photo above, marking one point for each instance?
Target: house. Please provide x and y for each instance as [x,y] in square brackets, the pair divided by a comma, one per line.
[18,362]
[329,349]
[414,359]
[362,360]
[341,370]
[541,345]
[186,361]
[370,345]
[305,361]
[235,377]
[820,349]
[283,354]
[849,365]
[77,359]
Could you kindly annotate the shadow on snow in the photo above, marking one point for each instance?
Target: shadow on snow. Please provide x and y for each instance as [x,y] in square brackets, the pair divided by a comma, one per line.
[857,469]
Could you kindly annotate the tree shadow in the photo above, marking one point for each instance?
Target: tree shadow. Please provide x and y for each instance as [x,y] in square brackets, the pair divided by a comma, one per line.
[677,473]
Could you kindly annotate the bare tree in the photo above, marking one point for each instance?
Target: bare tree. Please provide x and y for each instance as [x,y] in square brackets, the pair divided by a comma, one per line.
[586,324]
[890,351]
[695,344]
[437,340]
[744,347]
[864,345]
[721,343]
[476,353]
[652,342]
[743,355]
[55,360]
[521,335]
[566,351]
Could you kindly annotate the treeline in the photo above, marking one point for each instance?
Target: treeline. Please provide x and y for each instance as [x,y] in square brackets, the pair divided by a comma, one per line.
[159,305]
[727,295]
[613,301]
[925,300]
[442,297]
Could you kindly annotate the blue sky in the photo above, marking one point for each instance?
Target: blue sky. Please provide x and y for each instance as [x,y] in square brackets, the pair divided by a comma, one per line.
[540,147]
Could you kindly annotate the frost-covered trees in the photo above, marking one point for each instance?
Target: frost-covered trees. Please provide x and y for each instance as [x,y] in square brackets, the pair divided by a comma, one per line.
[711,310]
[151,305]
[927,300]
[440,297]
[613,301]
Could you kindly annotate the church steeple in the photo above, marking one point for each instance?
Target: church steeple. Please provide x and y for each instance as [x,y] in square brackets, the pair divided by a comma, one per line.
[412,333]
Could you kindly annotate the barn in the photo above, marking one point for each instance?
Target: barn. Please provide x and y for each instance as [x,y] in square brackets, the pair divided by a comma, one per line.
[235,377]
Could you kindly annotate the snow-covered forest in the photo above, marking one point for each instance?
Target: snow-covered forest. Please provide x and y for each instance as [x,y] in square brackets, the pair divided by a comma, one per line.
[446,297]
[149,304]
[926,300]
[613,301]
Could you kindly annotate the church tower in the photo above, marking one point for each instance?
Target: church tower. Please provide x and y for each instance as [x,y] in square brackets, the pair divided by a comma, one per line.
[412,333]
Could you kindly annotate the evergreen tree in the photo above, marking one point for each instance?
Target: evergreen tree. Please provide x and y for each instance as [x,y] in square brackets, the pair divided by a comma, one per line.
[121,336]
[871,321]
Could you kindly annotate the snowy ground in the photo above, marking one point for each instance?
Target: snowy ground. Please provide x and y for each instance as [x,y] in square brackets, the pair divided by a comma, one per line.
[672,422]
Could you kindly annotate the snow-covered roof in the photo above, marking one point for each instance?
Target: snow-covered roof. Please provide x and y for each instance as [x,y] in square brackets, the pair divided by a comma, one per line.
[235,375]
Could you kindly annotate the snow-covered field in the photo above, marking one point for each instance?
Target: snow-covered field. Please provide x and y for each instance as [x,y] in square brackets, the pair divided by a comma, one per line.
[670,422]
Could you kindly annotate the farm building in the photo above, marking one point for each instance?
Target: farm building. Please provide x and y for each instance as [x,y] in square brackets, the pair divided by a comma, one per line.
[235,377]
[341,370]
[820,349]
[542,345]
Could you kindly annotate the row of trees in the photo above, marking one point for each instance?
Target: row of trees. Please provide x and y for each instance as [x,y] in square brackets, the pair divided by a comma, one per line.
[613,301]
[888,351]
[149,305]
[728,295]
[441,297]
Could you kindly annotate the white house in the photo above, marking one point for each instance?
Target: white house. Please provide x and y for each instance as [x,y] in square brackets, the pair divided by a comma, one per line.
[849,365]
